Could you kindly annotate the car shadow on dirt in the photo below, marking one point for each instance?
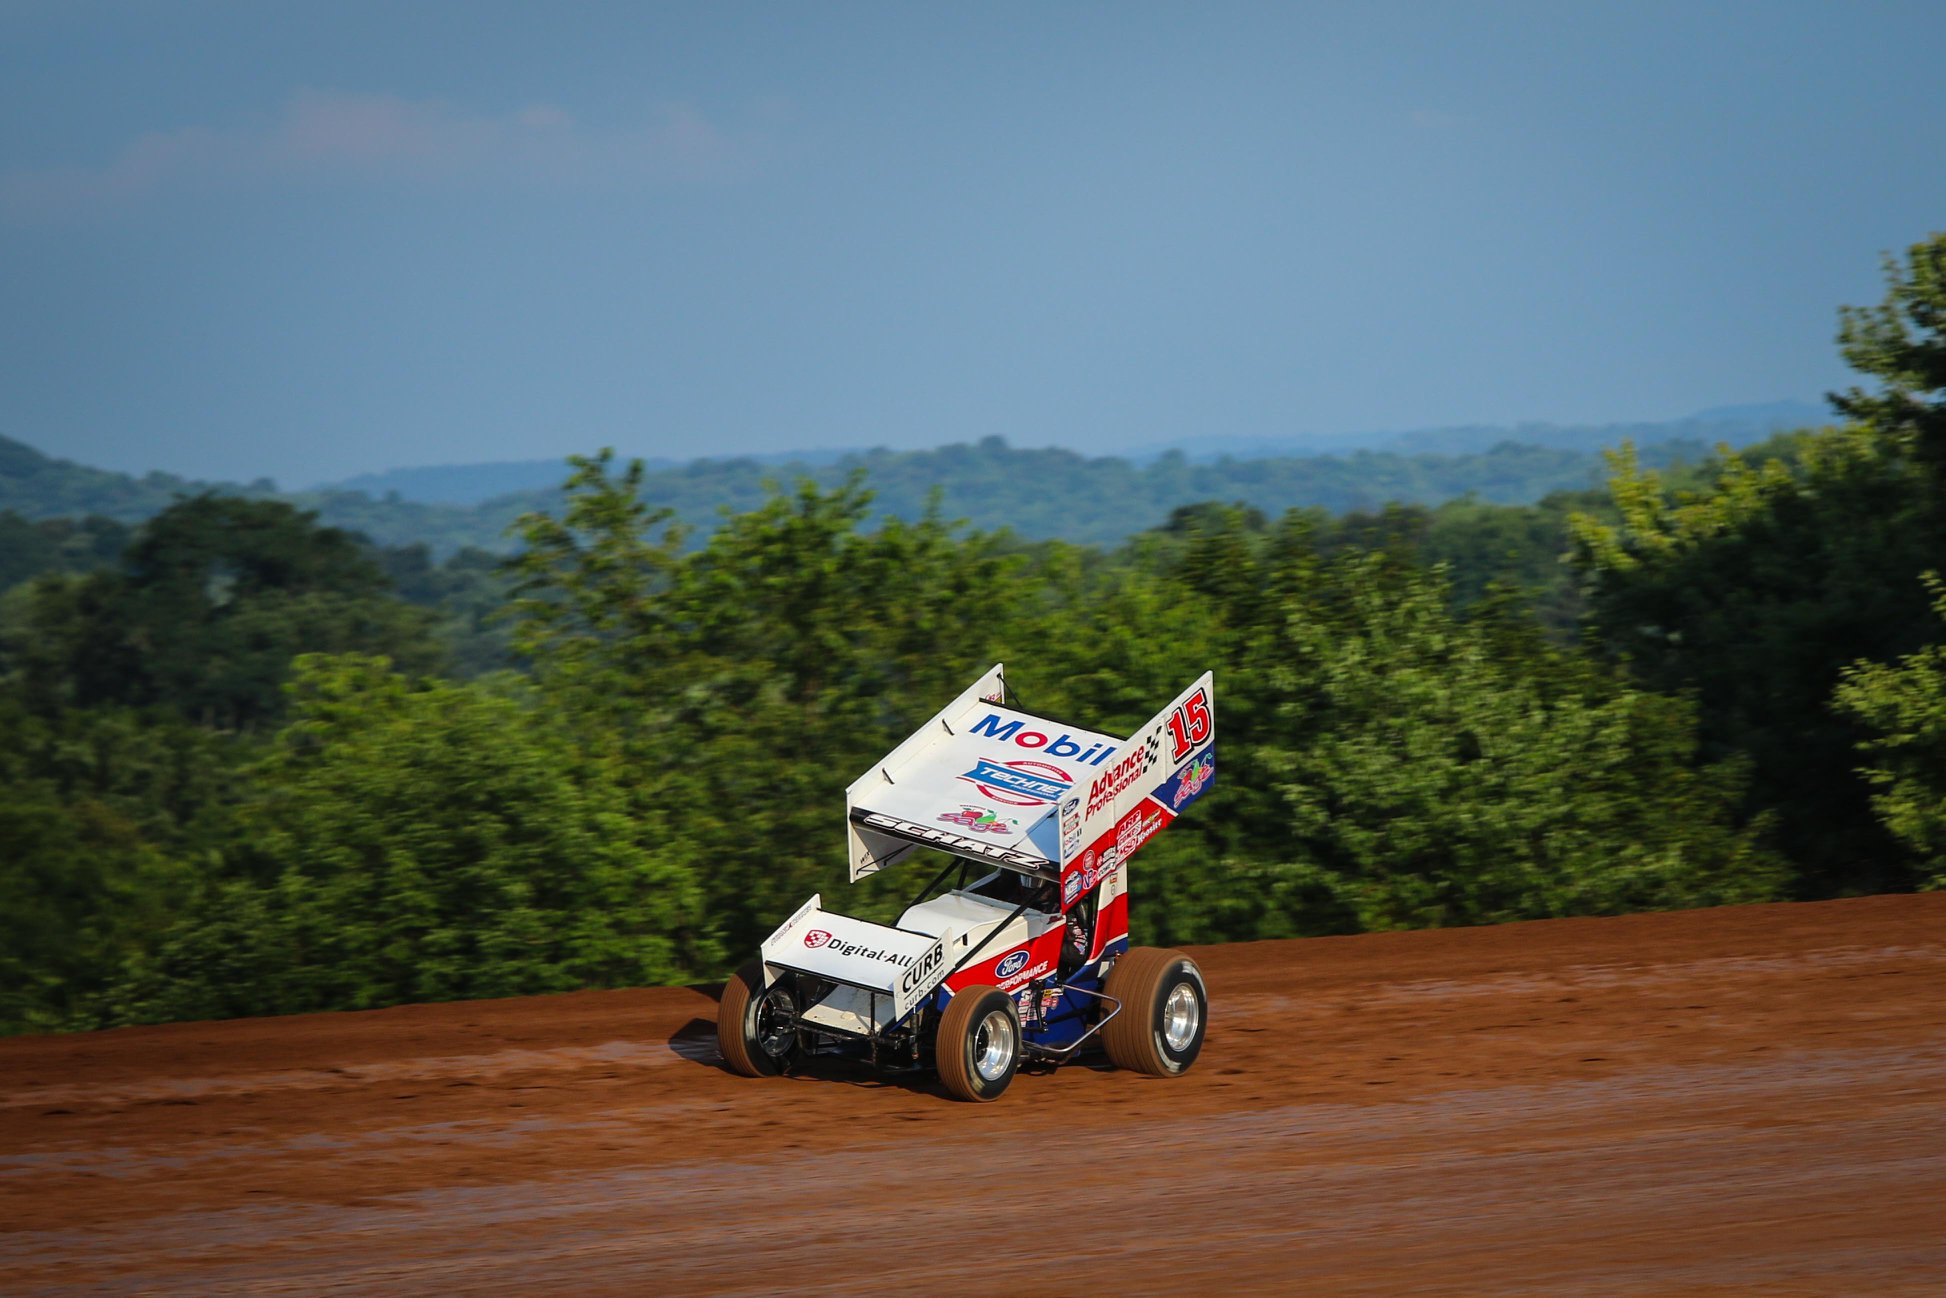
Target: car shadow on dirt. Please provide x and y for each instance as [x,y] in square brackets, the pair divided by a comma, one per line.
[695,1042]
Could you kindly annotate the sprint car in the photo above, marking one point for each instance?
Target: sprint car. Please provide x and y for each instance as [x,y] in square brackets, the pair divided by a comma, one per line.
[1018,947]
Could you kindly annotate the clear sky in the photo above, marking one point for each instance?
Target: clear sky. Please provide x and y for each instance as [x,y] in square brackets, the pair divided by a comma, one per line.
[309,240]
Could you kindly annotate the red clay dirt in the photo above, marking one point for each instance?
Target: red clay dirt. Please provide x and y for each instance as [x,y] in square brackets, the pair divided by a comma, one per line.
[1738,1101]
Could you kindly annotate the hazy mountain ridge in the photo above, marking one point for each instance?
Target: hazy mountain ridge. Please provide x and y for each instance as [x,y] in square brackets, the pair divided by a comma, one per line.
[1041,493]
[1738,425]
[34,484]
[473,484]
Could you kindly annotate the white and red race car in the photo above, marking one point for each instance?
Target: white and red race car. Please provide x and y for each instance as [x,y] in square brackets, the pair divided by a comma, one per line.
[1019,946]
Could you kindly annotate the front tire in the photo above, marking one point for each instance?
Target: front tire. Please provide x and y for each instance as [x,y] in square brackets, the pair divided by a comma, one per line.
[1165,1012]
[978,1045]
[755,1027]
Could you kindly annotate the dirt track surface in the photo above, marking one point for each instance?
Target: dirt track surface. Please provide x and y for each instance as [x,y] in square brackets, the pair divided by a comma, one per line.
[1742,1101]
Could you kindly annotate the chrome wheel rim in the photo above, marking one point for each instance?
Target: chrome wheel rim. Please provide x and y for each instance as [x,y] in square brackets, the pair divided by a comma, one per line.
[1182,1014]
[993,1046]
[776,1022]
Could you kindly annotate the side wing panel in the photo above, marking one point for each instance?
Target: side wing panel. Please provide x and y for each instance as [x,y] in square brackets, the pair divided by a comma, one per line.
[1167,763]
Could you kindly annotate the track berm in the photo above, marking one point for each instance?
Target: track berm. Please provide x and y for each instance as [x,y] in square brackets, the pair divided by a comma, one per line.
[1746,1101]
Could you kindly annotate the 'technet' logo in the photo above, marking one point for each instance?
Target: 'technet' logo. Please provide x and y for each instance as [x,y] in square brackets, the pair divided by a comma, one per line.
[1019,783]
[817,937]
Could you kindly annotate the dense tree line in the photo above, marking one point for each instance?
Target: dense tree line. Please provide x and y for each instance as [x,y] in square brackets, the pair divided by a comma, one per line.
[255,764]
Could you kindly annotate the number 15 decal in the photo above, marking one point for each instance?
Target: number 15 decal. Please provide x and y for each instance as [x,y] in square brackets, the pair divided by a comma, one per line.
[1189,725]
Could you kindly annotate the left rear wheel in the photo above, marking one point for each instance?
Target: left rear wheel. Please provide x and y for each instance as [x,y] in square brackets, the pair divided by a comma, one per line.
[756,1028]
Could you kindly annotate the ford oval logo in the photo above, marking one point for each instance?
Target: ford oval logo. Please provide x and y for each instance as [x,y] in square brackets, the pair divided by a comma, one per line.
[1011,965]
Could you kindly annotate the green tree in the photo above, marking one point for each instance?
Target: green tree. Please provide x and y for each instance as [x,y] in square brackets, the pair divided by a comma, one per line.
[1901,342]
[1903,706]
[206,609]
[31,548]
[1438,771]
[420,841]
[104,817]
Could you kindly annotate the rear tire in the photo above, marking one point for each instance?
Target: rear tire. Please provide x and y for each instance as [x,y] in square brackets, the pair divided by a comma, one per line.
[749,1033]
[1165,1012]
[978,1045]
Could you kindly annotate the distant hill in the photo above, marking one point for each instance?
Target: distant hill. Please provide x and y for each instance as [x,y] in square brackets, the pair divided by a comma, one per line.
[1780,416]
[1038,493]
[471,484]
[1737,425]
[36,485]
[456,484]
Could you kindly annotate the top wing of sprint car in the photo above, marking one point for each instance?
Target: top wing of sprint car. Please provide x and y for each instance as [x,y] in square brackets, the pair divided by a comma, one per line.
[989,783]
[1039,818]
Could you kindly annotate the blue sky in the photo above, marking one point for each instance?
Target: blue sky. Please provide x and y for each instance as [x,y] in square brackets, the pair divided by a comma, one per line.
[306,241]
